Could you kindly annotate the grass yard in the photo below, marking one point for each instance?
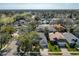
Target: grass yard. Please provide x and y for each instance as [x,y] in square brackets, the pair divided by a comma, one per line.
[74,53]
[57,53]
[53,48]
[70,49]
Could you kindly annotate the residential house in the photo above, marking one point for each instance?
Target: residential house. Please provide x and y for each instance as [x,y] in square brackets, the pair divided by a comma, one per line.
[59,27]
[43,42]
[41,28]
[70,38]
[58,39]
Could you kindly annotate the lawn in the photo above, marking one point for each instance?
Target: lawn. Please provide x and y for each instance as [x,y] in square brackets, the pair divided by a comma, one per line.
[58,53]
[74,53]
[53,48]
[70,49]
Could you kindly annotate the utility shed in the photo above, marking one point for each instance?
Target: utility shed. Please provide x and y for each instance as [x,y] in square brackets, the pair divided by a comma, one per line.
[70,38]
[43,42]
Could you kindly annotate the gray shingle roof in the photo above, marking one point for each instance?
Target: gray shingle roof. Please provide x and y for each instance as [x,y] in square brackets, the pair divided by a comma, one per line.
[43,42]
[42,27]
[69,37]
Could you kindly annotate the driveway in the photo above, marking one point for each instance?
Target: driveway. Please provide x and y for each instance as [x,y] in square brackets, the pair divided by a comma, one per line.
[65,52]
[44,52]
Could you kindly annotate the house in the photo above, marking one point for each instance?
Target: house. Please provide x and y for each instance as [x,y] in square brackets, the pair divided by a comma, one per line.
[55,35]
[70,38]
[59,27]
[43,42]
[41,28]
[58,39]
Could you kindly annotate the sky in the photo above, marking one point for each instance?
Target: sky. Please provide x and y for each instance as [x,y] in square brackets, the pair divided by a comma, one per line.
[39,5]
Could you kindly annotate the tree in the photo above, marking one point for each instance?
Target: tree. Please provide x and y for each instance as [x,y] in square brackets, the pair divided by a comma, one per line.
[69,23]
[27,40]
[37,20]
[7,28]
[7,20]
[31,26]
[4,38]
[25,15]
[76,28]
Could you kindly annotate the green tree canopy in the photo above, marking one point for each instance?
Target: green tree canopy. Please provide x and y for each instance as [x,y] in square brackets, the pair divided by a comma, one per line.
[7,28]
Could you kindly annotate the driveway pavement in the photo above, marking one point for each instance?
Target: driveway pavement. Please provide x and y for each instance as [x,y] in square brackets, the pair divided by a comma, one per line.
[65,52]
[44,52]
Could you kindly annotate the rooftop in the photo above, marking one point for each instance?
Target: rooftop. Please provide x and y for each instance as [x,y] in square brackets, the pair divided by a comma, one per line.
[55,35]
[43,42]
[69,37]
[43,26]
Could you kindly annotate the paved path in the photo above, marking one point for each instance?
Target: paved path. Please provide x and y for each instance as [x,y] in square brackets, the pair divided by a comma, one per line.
[65,52]
[13,48]
[44,52]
